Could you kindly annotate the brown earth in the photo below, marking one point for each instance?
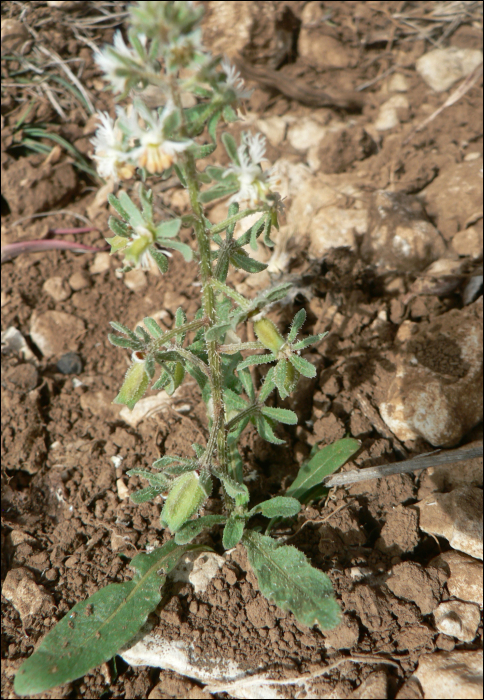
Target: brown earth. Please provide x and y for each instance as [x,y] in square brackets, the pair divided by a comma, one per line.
[65,447]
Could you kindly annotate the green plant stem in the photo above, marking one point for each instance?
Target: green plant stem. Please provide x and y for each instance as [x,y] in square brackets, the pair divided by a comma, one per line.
[249,411]
[217,432]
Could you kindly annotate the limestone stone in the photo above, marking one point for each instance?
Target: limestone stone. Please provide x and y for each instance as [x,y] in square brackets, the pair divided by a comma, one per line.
[451,674]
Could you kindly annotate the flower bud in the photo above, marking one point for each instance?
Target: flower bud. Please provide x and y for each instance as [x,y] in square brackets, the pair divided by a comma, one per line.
[186,496]
[135,384]
[268,334]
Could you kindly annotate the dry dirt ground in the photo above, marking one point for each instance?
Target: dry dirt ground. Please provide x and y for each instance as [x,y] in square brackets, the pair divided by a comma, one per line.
[67,524]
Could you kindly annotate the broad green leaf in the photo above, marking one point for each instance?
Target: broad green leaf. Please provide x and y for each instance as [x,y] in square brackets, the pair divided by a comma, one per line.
[95,629]
[118,227]
[135,216]
[282,415]
[160,259]
[116,204]
[325,462]
[287,578]
[168,229]
[278,507]
[182,248]
[303,366]
[233,531]
[192,528]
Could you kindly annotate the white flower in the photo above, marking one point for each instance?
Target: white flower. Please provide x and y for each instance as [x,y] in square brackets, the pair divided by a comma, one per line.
[111,62]
[155,152]
[138,250]
[233,81]
[254,184]
[109,149]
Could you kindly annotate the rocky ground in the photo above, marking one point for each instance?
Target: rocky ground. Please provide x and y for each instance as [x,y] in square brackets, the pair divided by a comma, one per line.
[373,118]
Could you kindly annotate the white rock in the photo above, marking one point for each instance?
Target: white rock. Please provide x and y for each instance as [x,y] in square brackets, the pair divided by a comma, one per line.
[274,128]
[100,264]
[57,288]
[135,280]
[457,516]
[14,342]
[451,674]
[55,332]
[147,407]
[25,595]
[437,390]
[441,68]
[79,280]
[458,619]
[465,576]
[333,227]
[468,242]
[391,113]
[122,489]
[398,83]
[305,133]
[399,235]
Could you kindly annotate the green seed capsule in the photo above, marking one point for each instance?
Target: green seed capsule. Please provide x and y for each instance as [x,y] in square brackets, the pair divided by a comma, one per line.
[292,378]
[268,334]
[186,496]
[134,386]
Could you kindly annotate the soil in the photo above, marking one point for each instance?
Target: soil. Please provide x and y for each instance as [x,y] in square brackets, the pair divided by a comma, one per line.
[66,448]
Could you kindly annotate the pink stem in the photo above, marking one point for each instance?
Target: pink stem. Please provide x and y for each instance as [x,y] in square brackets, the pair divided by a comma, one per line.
[13,249]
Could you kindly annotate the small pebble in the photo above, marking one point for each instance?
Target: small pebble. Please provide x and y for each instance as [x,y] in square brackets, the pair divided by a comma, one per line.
[57,288]
[21,378]
[70,363]
[79,280]
[100,264]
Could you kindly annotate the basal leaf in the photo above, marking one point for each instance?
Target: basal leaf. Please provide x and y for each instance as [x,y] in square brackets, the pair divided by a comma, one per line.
[95,629]
[287,578]
[325,462]
[233,532]
[278,507]
[192,528]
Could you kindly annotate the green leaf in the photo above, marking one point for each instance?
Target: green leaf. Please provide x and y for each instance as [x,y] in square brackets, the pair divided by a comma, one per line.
[229,114]
[124,342]
[256,360]
[215,173]
[170,459]
[192,528]
[221,189]
[231,147]
[264,428]
[160,259]
[268,386]
[168,229]
[118,227]
[146,494]
[141,333]
[146,199]
[218,331]
[312,340]
[278,507]
[186,496]
[124,329]
[282,415]
[135,216]
[95,629]
[182,248]
[239,492]
[287,578]
[325,462]
[158,480]
[303,366]
[116,204]
[153,327]
[181,174]
[240,259]
[297,322]
[134,386]
[233,532]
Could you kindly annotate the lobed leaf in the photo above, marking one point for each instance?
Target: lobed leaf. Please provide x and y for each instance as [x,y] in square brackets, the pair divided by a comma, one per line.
[287,578]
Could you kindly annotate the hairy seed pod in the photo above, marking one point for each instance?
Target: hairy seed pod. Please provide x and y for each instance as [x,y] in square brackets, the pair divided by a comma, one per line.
[292,377]
[135,384]
[186,496]
[268,334]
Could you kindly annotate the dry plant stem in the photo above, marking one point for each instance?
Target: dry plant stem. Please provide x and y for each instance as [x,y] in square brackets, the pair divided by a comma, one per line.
[409,465]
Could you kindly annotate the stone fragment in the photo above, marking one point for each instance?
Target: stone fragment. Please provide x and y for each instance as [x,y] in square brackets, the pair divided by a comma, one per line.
[391,113]
[25,595]
[451,674]
[411,581]
[55,332]
[458,619]
[437,390]
[410,690]
[57,288]
[13,343]
[79,280]
[398,83]
[468,242]
[400,236]
[442,68]
[375,687]
[100,264]
[446,477]
[274,128]
[315,46]
[305,133]
[457,516]
[454,197]
[465,576]
[22,378]
[14,33]
[70,363]
[45,187]
[135,280]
